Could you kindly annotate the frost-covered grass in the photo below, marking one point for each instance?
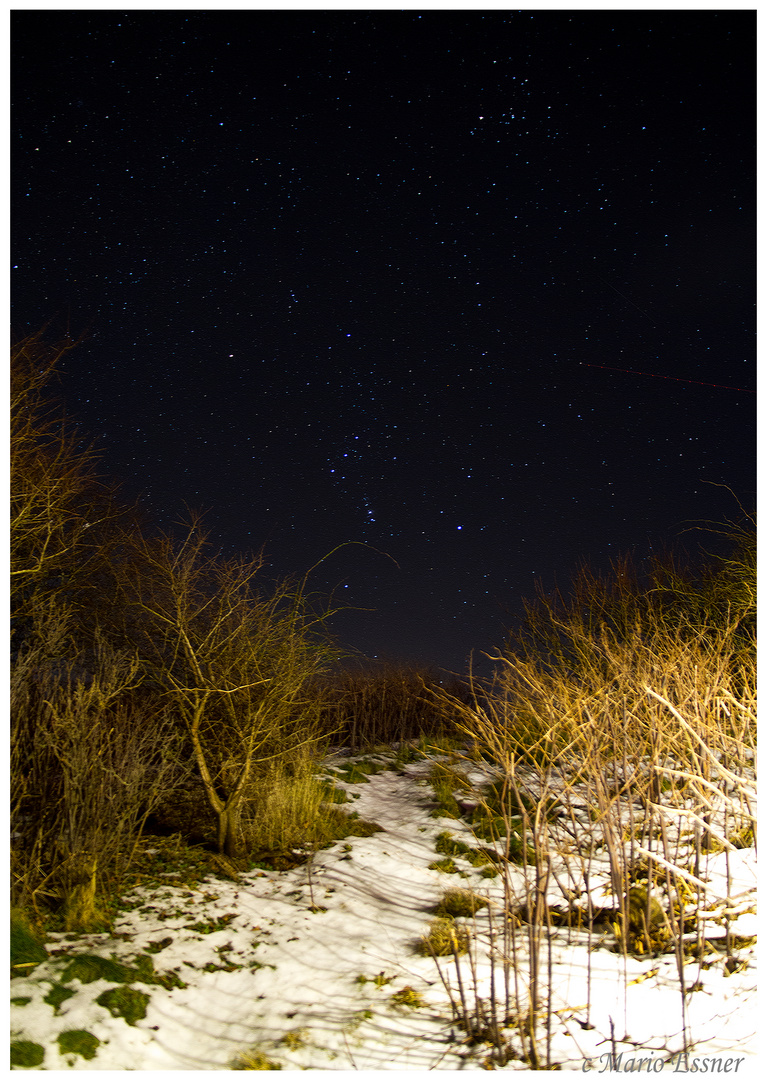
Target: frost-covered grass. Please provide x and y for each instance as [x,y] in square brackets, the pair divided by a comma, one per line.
[323,966]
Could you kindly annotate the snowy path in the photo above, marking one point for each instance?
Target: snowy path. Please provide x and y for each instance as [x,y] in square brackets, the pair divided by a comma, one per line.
[306,1008]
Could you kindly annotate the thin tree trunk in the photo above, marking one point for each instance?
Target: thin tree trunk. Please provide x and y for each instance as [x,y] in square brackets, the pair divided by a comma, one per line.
[229,840]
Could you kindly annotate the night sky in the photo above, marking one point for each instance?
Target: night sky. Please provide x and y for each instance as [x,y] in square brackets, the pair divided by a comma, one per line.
[344,273]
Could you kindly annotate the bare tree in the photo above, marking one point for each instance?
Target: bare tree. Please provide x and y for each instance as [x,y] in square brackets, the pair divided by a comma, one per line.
[50,470]
[65,520]
[238,663]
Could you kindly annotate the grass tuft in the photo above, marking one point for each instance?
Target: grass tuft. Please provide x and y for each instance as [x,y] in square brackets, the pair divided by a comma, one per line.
[445,781]
[294,1040]
[409,997]
[292,812]
[459,903]
[444,938]
[254,1061]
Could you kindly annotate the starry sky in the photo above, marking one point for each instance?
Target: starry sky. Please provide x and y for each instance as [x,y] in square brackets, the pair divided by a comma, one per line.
[474,289]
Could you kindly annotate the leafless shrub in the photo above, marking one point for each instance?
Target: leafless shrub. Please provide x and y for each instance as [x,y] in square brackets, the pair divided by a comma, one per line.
[86,770]
[621,724]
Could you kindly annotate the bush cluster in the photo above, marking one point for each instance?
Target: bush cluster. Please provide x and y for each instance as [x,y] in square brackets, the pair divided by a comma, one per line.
[146,669]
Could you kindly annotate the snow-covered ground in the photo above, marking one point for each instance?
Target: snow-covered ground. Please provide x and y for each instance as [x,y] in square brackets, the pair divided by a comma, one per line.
[305,993]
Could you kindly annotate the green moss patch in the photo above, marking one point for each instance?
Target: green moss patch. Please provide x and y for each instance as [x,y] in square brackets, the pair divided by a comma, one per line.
[294,1040]
[406,755]
[88,968]
[78,1042]
[445,866]
[57,996]
[483,856]
[161,860]
[126,1002]
[493,828]
[210,926]
[158,946]
[357,772]
[487,826]
[446,807]
[26,1055]
[489,872]
[446,845]
[334,794]
[357,826]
